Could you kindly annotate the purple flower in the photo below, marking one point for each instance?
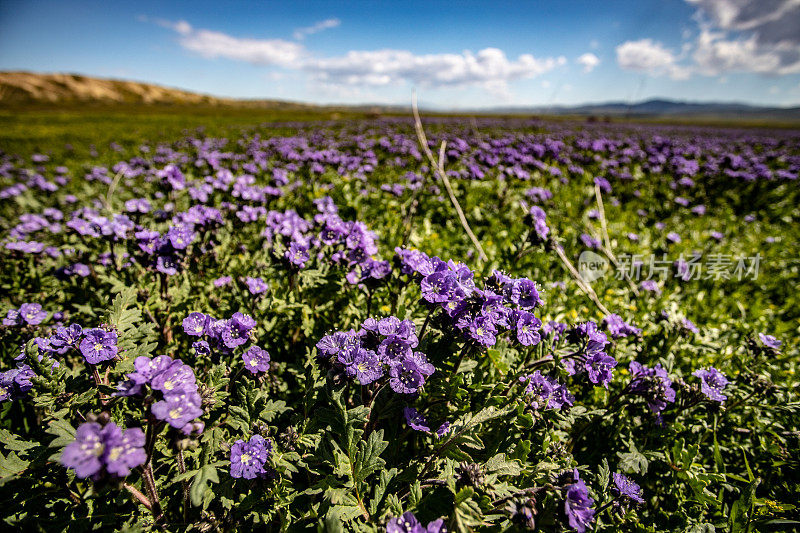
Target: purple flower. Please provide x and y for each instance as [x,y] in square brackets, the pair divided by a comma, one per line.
[221,282]
[16,382]
[175,379]
[167,264]
[548,392]
[600,368]
[650,285]
[84,454]
[408,523]
[393,348]
[436,287]
[618,328]
[98,345]
[12,318]
[625,491]
[256,285]
[249,458]
[195,324]
[66,338]
[525,294]
[653,384]
[32,314]
[256,360]
[483,330]
[528,327]
[769,341]
[443,430]
[415,420]
[590,242]
[405,377]
[237,330]
[367,367]
[178,409]
[297,254]
[712,382]
[201,348]
[336,342]
[96,447]
[578,505]
[123,450]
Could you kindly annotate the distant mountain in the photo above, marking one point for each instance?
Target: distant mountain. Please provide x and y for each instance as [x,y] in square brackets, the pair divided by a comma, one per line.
[19,89]
[661,108]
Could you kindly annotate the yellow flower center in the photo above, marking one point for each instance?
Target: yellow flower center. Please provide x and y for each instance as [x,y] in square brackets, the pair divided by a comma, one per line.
[115,452]
[245,458]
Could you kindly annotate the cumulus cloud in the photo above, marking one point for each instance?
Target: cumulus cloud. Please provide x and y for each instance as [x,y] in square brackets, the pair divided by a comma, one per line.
[650,57]
[761,36]
[770,21]
[715,54]
[489,68]
[749,36]
[382,67]
[589,61]
[213,44]
[302,33]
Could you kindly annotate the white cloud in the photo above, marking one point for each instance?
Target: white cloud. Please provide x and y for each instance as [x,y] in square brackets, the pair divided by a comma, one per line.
[212,44]
[761,36]
[383,67]
[714,54]
[489,68]
[302,33]
[589,61]
[650,57]
[749,36]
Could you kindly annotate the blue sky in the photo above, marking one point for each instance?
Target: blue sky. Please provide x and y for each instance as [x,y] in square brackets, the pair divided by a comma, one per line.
[456,54]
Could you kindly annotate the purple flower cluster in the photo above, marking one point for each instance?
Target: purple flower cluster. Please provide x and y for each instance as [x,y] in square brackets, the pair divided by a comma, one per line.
[95,344]
[653,384]
[712,382]
[16,382]
[30,314]
[590,356]
[98,449]
[408,523]
[380,345]
[181,403]
[504,303]
[547,392]
[347,243]
[249,459]
[224,335]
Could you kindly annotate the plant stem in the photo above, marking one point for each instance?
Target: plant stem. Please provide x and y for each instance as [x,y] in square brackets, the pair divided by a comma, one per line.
[139,496]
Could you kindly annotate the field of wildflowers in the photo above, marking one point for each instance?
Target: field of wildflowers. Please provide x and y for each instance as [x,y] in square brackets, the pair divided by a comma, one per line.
[510,325]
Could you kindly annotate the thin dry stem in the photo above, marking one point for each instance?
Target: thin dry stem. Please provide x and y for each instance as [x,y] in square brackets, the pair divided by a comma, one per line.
[438,168]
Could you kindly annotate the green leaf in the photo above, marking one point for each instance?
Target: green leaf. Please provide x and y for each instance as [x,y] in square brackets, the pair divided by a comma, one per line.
[11,465]
[367,458]
[197,491]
